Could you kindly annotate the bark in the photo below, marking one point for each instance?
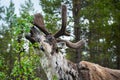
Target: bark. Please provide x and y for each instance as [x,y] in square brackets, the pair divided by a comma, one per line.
[76,16]
[118,58]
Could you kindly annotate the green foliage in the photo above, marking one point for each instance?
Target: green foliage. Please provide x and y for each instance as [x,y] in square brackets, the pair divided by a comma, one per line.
[22,24]
[51,6]
[26,68]
[15,61]
[52,10]
[55,77]
[2,67]
[101,16]
[10,13]
[2,75]
[2,10]
[27,7]
[51,23]
[24,64]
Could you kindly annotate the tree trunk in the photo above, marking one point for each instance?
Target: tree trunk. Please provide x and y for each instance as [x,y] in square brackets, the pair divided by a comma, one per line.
[77,29]
[118,56]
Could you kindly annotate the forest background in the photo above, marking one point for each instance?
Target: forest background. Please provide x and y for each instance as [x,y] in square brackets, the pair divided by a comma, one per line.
[96,21]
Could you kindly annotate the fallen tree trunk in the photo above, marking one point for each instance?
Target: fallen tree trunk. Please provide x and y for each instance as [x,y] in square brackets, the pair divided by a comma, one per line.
[91,71]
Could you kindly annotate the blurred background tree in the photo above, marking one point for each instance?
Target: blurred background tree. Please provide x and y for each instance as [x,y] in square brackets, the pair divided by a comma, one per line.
[97,21]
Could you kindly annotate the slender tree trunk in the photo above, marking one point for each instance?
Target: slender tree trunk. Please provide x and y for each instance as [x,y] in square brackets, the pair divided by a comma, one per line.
[77,29]
[118,57]
[118,62]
